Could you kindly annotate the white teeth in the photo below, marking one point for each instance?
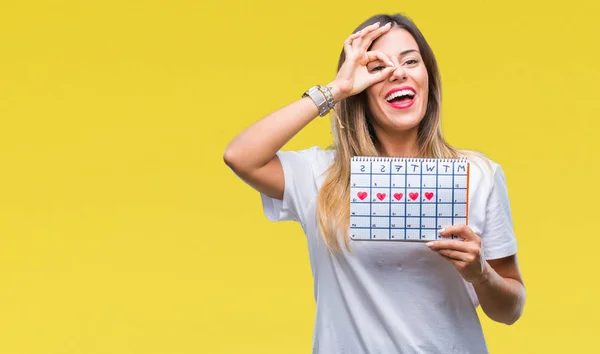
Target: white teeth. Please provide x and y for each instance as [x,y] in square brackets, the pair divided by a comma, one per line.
[400,93]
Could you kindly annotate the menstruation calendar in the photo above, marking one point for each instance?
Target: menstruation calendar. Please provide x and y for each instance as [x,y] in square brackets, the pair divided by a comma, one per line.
[406,199]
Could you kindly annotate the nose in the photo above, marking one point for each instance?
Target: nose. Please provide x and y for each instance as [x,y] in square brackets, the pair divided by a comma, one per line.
[398,74]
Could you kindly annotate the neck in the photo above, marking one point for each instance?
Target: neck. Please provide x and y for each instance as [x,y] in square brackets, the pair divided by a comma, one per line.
[398,144]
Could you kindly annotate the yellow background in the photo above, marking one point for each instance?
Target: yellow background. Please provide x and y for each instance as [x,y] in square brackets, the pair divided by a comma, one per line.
[121,230]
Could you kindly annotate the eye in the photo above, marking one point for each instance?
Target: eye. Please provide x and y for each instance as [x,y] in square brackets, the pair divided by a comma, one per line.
[412,61]
[377,68]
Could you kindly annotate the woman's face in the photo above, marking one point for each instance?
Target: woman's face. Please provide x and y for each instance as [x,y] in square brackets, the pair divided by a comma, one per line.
[399,102]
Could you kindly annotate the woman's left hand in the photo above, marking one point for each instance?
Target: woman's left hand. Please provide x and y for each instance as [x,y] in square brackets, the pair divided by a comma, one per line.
[466,255]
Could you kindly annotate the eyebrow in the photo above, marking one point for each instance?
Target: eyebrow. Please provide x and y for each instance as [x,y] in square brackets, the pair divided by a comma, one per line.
[408,51]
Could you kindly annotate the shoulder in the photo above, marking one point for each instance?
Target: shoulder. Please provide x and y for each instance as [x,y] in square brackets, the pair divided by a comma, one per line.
[315,158]
[484,172]
[317,155]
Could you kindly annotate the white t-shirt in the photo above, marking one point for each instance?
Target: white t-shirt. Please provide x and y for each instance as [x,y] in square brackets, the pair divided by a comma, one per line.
[392,297]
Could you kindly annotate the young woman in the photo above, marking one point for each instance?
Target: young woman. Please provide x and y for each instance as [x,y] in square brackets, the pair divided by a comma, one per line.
[385,297]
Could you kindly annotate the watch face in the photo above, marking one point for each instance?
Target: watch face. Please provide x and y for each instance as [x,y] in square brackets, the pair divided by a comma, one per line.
[309,91]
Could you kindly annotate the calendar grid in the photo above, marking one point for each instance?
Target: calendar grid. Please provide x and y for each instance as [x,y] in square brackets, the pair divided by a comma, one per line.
[370,194]
[390,198]
[421,204]
[385,197]
[437,177]
[405,198]
[467,192]
[453,199]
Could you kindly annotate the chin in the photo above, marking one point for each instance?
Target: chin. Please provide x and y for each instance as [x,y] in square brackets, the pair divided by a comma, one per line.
[399,122]
[404,125]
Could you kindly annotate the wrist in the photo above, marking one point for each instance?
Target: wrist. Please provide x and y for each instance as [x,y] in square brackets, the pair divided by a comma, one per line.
[336,92]
[484,277]
[321,97]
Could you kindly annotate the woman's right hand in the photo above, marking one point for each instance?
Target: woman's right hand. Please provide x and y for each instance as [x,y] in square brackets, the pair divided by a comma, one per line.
[353,76]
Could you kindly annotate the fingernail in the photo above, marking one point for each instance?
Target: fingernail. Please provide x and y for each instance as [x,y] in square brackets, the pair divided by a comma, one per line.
[441,230]
[429,244]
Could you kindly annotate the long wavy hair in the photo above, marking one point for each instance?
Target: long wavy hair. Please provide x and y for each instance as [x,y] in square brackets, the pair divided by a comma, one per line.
[357,137]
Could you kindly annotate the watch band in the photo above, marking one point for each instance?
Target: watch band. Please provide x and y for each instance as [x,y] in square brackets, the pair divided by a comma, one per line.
[319,99]
[326,91]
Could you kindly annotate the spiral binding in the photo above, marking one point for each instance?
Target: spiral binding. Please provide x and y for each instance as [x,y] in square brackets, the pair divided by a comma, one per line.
[407,159]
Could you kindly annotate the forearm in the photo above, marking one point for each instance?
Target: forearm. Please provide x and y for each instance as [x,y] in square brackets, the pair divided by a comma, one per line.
[257,145]
[502,299]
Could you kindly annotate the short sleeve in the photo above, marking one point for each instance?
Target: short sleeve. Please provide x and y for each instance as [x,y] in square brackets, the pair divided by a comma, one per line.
[301,170]
[498,236]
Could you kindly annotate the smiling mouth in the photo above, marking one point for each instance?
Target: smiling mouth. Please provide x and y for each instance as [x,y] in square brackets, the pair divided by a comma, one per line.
[401,99]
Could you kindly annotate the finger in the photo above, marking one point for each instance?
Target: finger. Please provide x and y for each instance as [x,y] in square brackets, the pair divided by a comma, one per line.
[371,36]
[348,42]
[356,42]
[449,244]
[456,255]
[463,231]
[348,45]
[353,36]
[370,28]
[367,29]
[377,55]
[469,251]
[458,264]
[380,75]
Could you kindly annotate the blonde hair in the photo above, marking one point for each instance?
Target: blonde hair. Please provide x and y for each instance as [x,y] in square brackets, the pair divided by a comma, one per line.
[353,135]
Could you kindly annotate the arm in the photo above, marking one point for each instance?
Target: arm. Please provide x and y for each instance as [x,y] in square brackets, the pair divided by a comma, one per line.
[252,153]
[497,282]
[501,291]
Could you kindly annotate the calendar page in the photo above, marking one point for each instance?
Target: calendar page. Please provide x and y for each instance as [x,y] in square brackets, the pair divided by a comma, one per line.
[406,199]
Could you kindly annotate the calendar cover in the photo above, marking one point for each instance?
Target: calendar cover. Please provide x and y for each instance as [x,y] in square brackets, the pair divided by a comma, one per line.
[407,199]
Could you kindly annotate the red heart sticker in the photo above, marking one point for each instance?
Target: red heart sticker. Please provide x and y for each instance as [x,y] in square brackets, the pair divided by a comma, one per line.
[362,195]
[413,195]
[428,195]
[381,196]
[398,196]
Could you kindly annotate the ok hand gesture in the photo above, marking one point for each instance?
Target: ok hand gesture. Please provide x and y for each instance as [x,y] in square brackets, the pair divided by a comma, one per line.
[353,76]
